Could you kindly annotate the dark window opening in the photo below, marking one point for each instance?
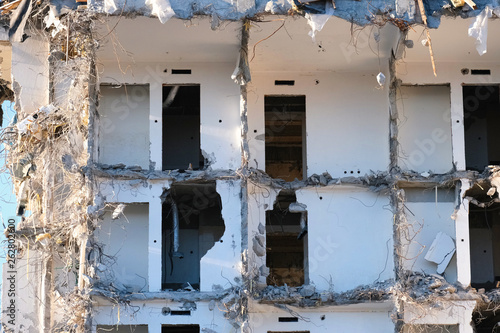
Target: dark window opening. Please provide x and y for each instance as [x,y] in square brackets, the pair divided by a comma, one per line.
[481,116]
[180,329]
[286,240]
[484,233]
[197,210]
[181,128]
[486,320]
[285,136]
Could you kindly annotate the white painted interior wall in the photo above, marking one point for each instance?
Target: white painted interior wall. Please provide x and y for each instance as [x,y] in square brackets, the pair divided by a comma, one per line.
[427,213]
[346,120]
[122,328]
[151,315]
[126,240]
[220,104]
[424,128]
[221,265]
[124,125]
[342,320]
[350,236]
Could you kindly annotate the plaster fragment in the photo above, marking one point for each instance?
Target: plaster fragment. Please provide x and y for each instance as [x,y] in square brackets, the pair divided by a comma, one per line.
[479,30]
[161,8]
[318,21]
[441,251]
[261,229]
[118,211]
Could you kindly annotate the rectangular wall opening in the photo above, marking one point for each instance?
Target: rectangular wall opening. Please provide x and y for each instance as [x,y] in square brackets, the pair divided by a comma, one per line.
[286,239]
[481,115]
[192,224]
[180,329]
[285,136]
[484,229]
[181,127]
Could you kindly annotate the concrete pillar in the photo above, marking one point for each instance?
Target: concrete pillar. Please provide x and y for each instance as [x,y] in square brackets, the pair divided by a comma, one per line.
[155,124]
[457,126]
[154,247]
[462,236]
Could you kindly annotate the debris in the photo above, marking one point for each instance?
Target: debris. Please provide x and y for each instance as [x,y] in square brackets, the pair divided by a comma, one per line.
[479,30]
[118,211]
[307,290]
[318,21]
[441,251]
[428,41]
[381,79]
[161,8]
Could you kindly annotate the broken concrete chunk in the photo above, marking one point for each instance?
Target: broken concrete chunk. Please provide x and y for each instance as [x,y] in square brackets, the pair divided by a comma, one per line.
[258,248]
[307,290]
[261,229]
[264,270]
[441,251]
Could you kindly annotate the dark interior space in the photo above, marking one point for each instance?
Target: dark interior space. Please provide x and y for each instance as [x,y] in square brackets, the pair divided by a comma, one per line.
[285,136]
[481,116]
[285,243]
[484,230]
[181,127]
[486,321]
[197,210]
[180,329]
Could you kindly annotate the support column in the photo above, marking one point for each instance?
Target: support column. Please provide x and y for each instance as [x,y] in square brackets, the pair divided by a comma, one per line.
[154,247]
[462,236]
[155,125]
[457,126]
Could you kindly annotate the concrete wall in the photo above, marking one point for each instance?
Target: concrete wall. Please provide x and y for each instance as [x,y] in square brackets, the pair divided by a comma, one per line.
[342,319]
[220,105]
[424,128]
[122,328]
[124,125]
[428,212]
[338,226]
[151,314]
[343,221]
[30,69]
[221,265]
[125,240]
[347,120]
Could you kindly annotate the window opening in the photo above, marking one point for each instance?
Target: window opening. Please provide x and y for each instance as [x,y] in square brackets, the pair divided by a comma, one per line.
[286,240]
[484,235]
[181,127]
[481,115]
[285,136]
[180,329]
[192,223]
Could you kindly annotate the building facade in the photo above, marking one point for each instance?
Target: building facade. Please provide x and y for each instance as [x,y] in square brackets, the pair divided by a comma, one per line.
[340,177]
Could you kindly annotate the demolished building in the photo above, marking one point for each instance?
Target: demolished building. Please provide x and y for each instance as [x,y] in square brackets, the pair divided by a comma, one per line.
[342,177]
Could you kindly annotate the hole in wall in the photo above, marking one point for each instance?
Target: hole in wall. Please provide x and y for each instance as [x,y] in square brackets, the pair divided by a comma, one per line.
[286,239]
[198,209]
